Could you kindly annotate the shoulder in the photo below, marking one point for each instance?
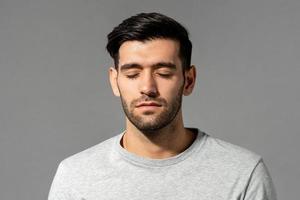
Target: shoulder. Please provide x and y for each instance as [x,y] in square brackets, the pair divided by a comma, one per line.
[230,156]
[86,161]
[81,169]
[239,167]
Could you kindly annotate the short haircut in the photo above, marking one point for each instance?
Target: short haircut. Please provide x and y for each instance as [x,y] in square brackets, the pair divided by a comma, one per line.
[149,26]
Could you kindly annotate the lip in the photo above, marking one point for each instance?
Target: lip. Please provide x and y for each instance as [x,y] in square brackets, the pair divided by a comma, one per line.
[148,104]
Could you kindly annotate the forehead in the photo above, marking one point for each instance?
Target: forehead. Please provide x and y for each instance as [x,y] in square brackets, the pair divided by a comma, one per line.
[149,52]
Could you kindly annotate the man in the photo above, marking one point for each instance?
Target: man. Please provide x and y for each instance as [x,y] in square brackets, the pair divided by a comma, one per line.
[156,157]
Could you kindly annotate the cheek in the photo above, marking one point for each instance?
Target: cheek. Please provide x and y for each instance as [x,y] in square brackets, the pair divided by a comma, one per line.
[172,87]
[170,93]
[127,90]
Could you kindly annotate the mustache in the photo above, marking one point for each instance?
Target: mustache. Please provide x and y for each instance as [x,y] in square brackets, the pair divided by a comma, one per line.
[160,101]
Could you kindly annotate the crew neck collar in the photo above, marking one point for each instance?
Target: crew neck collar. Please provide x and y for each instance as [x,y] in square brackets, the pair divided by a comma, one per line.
[150,162]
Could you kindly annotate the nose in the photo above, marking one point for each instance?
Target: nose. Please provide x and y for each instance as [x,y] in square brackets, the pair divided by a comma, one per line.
[148,85]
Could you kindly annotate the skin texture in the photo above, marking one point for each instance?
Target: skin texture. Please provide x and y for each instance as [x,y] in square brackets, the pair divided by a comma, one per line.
[151,72]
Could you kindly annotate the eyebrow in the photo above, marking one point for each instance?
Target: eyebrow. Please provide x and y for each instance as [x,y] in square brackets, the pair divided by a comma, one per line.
[158,65]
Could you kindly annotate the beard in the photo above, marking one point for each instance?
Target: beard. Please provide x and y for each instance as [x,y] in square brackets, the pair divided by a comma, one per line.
[150,122]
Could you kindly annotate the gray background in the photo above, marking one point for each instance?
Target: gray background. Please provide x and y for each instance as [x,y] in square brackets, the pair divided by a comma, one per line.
[56,99]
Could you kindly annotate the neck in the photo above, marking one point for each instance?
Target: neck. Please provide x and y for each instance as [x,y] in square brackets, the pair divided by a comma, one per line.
[166,142]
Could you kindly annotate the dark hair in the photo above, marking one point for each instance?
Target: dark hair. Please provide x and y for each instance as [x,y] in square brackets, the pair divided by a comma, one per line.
[147,26]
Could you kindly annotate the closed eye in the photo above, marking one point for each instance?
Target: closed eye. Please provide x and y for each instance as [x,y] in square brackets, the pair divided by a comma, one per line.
[165,74]
[132,76]
[136,75]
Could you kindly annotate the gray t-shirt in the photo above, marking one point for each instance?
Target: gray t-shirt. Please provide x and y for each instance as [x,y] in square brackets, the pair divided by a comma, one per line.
[209,169]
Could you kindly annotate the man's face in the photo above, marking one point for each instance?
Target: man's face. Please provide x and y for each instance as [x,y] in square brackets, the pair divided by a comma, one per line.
[150,82]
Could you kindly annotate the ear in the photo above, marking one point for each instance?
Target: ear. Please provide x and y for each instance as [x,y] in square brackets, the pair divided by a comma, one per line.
[113,75]
[190,79]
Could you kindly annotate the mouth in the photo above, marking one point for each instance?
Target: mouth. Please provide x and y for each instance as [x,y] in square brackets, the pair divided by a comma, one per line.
[148,104]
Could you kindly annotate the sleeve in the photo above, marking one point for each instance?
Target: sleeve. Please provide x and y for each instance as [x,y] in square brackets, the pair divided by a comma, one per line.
[260,185]
[61,187]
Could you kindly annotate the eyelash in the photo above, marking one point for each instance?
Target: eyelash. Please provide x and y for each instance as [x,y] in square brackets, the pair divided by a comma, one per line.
[132,76]
[136,75]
